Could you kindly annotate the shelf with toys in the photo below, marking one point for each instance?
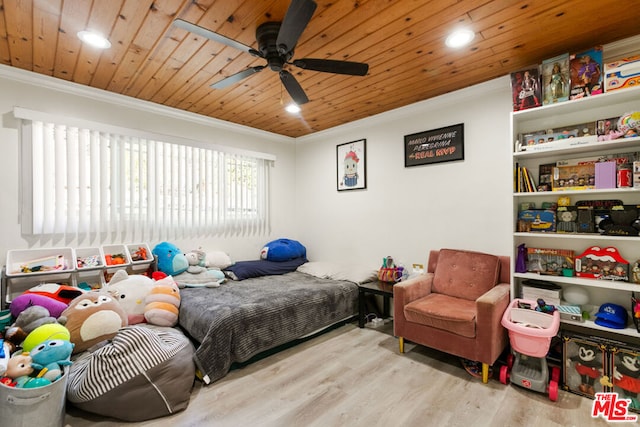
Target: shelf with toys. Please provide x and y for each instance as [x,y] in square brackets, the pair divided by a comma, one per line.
[87,268]
[576,193]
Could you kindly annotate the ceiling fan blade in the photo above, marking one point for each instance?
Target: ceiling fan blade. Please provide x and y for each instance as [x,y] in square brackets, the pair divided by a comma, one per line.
[293,87]
[295,21]
[208,34]
[331,66]
[234,78]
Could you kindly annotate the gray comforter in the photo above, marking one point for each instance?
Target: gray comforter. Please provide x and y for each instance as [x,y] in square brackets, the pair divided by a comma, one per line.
[240,319]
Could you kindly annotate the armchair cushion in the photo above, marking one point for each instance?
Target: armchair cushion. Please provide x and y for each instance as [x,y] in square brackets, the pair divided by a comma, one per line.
[455,315]
[465,274]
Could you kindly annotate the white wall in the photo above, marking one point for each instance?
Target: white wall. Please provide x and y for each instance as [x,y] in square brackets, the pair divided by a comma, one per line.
[405,212]
[35,92]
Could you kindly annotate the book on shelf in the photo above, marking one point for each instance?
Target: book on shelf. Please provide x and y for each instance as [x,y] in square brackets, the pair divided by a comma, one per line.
[524,180]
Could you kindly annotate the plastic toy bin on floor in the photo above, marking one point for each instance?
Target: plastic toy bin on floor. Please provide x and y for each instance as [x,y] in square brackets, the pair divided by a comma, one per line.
[40,406]
[26,268]
[39,261]
[115,256]
[89,267]
[140,256]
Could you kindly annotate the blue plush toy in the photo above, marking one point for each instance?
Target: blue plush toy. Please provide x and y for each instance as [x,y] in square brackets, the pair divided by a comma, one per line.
[171,260]
[51,355]
[283,250]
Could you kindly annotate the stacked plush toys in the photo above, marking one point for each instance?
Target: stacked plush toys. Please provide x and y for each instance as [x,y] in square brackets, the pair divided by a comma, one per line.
[38,360]
[37,345]
[52,322]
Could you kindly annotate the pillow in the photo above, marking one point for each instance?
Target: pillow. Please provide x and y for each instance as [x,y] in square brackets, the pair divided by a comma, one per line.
[218,259]
[283,250]
[246,269]
[357,273]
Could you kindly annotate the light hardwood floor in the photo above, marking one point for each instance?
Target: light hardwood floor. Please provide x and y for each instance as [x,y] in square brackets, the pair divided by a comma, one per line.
[357,377]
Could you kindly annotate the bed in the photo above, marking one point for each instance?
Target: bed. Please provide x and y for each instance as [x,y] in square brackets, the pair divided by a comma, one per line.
[243,318]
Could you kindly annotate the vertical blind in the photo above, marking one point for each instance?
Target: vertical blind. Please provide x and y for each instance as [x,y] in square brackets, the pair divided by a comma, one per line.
[92,184]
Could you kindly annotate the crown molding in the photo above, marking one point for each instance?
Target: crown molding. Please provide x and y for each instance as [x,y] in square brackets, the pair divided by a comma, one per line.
[53,83]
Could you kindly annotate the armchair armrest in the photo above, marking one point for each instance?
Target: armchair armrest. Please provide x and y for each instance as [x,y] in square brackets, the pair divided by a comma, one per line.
[412,289]
[490,308]
[403,294]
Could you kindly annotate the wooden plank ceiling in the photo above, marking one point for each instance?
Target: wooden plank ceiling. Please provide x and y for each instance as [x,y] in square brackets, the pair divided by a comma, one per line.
[402,41]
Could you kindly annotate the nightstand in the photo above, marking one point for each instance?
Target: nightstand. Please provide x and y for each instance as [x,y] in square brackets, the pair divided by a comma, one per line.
[378,288]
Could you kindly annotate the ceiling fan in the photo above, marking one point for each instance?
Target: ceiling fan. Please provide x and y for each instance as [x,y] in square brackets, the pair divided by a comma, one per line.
[276,43]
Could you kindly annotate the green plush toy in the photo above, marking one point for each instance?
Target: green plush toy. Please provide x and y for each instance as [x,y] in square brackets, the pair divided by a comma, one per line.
[50,331]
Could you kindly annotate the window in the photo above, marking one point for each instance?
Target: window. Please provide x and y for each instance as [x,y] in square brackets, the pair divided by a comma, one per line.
[82,181]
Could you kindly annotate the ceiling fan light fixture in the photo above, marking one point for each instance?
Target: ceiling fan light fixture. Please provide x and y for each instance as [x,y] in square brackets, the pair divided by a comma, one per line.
[94,39]
[292,108]
[459,38]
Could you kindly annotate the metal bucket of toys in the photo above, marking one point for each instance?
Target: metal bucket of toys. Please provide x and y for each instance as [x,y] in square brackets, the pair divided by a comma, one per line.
[30,407]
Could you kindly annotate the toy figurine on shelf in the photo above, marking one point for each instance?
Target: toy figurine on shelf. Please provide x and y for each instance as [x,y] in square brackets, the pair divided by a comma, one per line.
[543,307]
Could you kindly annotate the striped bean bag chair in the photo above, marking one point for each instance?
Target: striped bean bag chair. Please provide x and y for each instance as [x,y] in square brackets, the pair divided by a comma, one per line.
[142,373]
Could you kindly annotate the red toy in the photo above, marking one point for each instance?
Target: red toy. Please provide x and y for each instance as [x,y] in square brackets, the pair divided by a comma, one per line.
[602,263]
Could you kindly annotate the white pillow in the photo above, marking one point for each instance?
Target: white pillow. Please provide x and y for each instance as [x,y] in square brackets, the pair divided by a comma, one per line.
[356,273]
[218,259]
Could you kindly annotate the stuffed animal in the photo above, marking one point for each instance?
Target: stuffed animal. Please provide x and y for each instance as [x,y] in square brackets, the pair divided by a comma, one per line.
[218,259]
[63,293]
[27,321]
[283,250]
[50,356]
[24,301]
[92,318]
[19,365]
[130,292]
[171,260]
[197,259]
[50,331]
[163,303]
[31,382]
[30,319]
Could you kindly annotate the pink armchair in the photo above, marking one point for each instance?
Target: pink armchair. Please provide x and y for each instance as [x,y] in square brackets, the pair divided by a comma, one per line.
[456,306]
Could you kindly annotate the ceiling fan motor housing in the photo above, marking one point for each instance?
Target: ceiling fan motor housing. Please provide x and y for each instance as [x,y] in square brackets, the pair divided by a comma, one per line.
[266,35]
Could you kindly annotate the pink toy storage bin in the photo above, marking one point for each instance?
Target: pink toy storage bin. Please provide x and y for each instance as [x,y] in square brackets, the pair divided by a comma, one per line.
[530,331]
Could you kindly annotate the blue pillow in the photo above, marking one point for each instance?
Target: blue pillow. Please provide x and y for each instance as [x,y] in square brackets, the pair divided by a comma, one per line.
[283,250]
[246,269]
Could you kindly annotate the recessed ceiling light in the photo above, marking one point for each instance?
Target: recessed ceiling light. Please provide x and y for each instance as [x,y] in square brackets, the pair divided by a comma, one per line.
[459,38]
[94,39]
[292,108]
